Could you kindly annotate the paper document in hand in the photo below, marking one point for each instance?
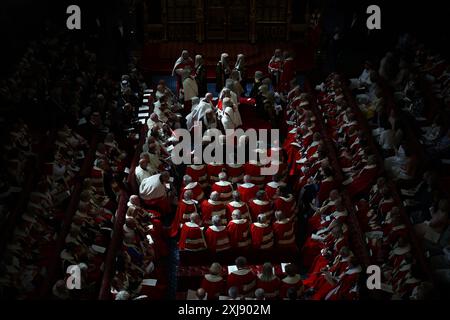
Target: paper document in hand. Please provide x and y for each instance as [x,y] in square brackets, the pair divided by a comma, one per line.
[149,282]
[231,269]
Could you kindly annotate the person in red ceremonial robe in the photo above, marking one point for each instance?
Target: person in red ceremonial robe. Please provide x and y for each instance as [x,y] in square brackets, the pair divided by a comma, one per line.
[183,62]
[217,238]
[386,203]
[319,264]
[260,205]
[213,170]
[362,181]
[185,208]
[243,278]
[346,286]
[287,74]
[191,235]
[272,187]
[321,285]
[213,207]
[285,202]
[213,283]
[269,282]
[337,237]
[194,187]
[247,190]
[283,231]
[237,204]
[275,67]
[331,237]
[198,173]
[394,227]
[292,280]
[261,233]
[253,169]
[154,193]
[235,172]
[399,253]
[224,188]
[326,185]
[328,207]
[238,229]
[376,194]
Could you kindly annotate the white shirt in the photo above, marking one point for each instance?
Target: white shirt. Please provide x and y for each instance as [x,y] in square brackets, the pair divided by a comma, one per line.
[152,188]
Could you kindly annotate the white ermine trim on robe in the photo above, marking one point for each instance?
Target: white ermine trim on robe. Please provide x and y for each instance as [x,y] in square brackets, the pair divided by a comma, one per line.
[354,270]
[214,202]
[247,185]
[261,225]
[241,272]
[287,241]
[273,184]
[236,204]
[225,195]
[213,278]
[217,229]
[192,225]
[288,199]
[399,227]
[291,280]
[194,241]
[244,243]
[267,237]
[401,250]
[267,245]
[223,183]
[405,267]
[260,202]
[189,202]
[191,186]
[218,213]
[338,214]
[239,221]
[223,241]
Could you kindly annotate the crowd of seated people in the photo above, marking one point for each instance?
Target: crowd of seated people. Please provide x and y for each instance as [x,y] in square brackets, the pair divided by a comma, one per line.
[388,236]
[59,75]
[235,216]
[34,238]
[388,241]
[90,232]
[222,208]
[246,282]
[308,166]
[415,119]
[17,147]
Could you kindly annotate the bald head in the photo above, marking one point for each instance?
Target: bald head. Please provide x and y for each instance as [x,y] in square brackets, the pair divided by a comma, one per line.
[143,163]
[214,196]
[201,294]
[194,217]
[223,176]
[262,218]
[134,200]
[209,97]
[187,179]
[236,215]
